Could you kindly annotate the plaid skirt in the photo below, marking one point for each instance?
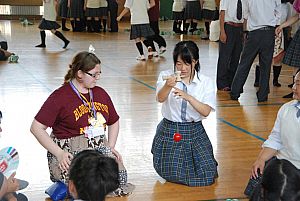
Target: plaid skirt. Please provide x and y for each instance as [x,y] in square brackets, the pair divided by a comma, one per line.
[76,144]
[48,25]
[76,9]
[103,11]
[210,14]
[141,30]
[192,10]
[190,161]
[92,12]
[292,54]
[178,15]
[63,8]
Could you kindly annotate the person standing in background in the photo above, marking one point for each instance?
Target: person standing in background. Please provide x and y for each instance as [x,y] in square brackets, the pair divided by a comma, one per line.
[230,44]
[63,13]
[262,17]
[113,13]
[48,22]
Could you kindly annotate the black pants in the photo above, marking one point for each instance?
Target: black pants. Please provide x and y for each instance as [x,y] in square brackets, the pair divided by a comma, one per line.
[156,37]
[259,42]
[113,12]
[229,56]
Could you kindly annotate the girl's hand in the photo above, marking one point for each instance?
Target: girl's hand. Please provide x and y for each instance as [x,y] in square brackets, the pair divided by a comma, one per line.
[171,81]
[257,168]
[223,37]
[179,93]
[12,183]
[117,154]
[119,18]
[64,160]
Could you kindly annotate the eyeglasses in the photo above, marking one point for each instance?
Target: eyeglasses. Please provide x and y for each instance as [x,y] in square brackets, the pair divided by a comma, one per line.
[95,75]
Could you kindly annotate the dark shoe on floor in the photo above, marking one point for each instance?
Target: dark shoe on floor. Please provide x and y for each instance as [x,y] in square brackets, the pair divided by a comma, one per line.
[66,44]
[290,95]
[65,29]
[232,97]
[41,45]
[262,100]
[276,84]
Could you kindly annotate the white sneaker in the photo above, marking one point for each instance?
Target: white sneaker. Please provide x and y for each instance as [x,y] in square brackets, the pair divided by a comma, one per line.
[141,58]
[155,54]
[162,50]
[150,53]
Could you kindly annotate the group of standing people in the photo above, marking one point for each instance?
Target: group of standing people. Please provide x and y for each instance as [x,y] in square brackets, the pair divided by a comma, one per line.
[187,13]
[247,30]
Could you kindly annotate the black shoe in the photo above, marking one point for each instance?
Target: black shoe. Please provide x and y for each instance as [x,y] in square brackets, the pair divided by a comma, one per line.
[290,95]
[65,29]
[262,100]
[232,97]
[66,44]
[41,45]
[276,84]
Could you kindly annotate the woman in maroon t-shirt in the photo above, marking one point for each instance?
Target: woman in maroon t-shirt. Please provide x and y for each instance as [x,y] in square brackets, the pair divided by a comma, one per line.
[79,113]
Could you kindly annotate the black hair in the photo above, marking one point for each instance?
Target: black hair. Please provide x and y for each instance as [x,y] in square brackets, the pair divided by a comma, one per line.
[280,182]
[94,175]
[187,51]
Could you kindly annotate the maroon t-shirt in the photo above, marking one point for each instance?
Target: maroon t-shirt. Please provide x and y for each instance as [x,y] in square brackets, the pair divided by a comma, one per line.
[154,12]
[68,116]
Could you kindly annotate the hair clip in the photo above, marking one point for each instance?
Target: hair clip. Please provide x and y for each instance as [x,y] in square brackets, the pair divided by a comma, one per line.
[91,49]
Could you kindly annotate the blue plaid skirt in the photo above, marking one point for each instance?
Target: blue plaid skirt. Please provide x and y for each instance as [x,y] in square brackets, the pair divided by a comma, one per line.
[63,8]
[190,161]
[141,30]
[292,54]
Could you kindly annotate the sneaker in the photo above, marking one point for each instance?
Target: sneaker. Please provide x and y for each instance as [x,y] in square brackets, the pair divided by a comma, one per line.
[150,53]
[162,50]
[155,54]
[141,58]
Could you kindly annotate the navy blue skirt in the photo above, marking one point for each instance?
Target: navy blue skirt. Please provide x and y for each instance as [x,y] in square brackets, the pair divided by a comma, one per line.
[76,9]
[190,161]
[141,30]
[92,12]
[193,10]
[48,25]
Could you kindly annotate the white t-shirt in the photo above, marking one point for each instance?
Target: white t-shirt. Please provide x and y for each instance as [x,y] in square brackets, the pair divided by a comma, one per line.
[138,10]
[203,89]
[103,3]
[49,10]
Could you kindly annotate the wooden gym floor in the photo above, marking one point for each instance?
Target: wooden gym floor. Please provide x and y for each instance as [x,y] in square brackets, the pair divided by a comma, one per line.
[236,129]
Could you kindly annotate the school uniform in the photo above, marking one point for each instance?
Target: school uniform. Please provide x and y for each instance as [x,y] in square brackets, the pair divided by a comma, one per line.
[292,54]
[192,10]
[139,21]
[48,21]
[229,52]
[210,10]
[63,8]
[262,17]
[178,9]
[189,161]
[92,8]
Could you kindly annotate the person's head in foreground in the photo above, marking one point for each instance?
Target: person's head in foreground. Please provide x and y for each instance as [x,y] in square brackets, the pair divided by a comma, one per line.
[280,182]
[92,176]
